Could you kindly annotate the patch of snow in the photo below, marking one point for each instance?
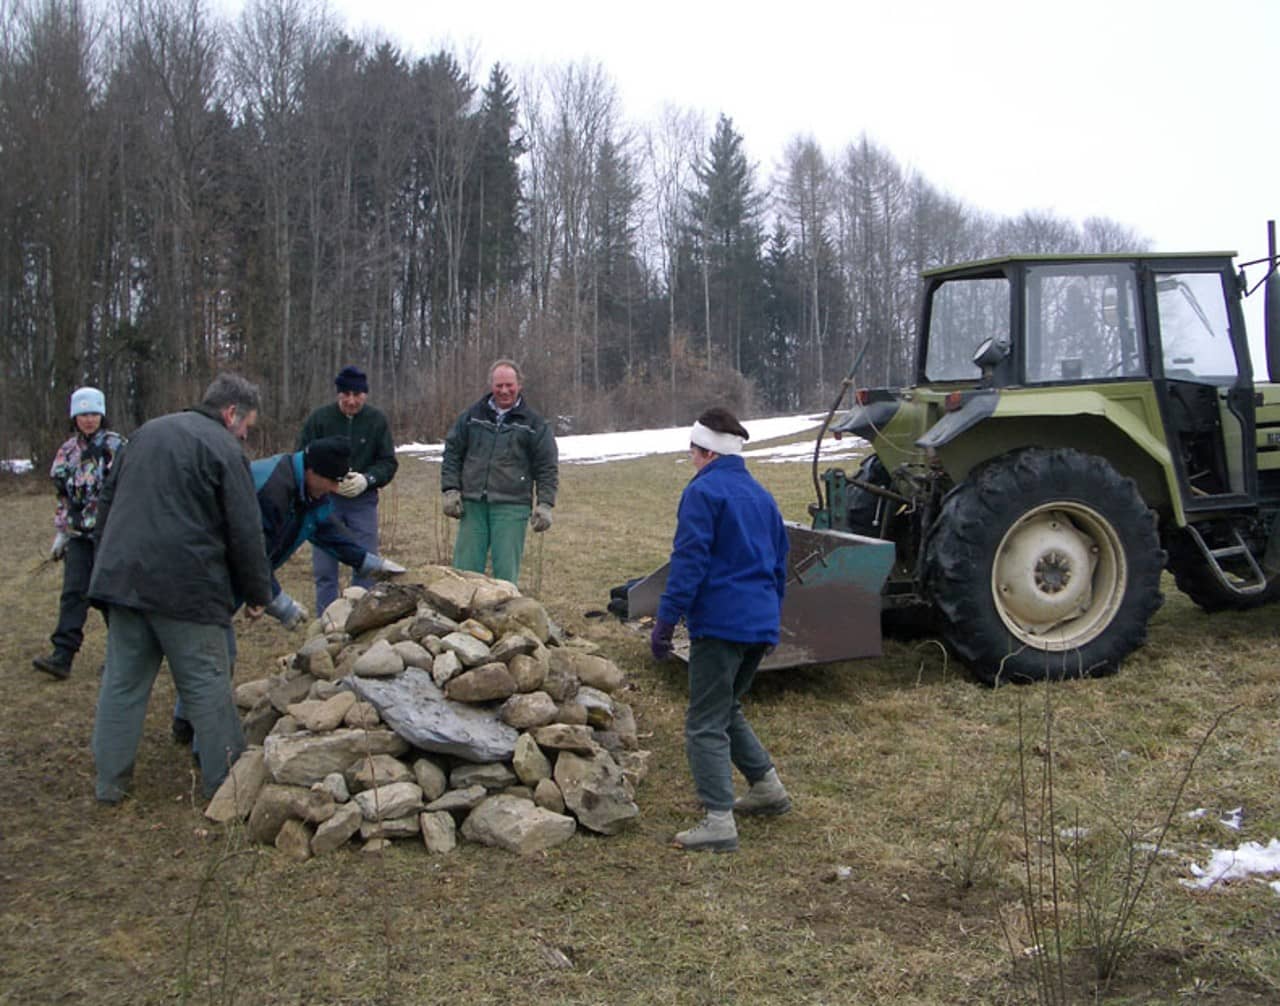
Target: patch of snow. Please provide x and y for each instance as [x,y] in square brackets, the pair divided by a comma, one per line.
[16,465]
[1233,819]
[1226,865]
[596,448]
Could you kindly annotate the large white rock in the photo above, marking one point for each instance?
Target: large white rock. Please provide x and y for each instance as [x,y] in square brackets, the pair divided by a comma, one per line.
[300,759]
[240,789]
[384,803]
[516,825]
[595,791]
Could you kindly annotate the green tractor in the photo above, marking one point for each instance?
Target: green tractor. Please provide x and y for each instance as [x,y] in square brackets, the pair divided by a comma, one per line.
[1078,423]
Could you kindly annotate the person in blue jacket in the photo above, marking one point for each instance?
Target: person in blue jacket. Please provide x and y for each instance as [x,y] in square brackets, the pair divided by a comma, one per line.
[294,500]
[726,579]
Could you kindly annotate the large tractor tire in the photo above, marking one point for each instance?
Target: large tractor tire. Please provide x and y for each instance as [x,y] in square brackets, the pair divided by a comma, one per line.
[1045,564]
[1194,578]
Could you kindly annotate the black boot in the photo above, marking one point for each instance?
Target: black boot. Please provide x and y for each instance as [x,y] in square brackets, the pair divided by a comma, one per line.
[57,665]
[182,731]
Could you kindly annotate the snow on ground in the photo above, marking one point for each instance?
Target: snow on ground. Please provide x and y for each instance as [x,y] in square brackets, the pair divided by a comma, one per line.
[15,465]
[1238,864]
[599,447]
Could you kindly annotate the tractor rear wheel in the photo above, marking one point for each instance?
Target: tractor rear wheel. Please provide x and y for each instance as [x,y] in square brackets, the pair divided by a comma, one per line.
[1045,564]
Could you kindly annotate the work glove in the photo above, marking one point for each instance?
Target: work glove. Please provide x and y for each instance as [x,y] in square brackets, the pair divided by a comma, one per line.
[379,567]
[540,519]
[660,639]
[59,547]
[352,484]
[286,611]
[452,504]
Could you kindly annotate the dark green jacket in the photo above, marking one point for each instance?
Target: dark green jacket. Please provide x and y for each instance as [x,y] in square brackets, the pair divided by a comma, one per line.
[500,462]
[373,454]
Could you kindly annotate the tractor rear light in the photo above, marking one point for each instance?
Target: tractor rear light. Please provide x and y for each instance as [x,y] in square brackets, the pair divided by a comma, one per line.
[862,396]
[954,401]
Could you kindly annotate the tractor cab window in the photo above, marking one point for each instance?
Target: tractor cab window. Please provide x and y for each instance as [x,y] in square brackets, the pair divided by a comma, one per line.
[1082,323]
[1194,333]
[963,315]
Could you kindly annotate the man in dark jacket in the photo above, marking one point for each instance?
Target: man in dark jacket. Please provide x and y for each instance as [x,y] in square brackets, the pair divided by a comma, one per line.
[294,497]
[180,538]
[496,454]
[373,465]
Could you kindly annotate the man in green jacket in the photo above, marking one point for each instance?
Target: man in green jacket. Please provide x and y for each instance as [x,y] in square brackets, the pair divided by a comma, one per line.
[495,456]
[373,465]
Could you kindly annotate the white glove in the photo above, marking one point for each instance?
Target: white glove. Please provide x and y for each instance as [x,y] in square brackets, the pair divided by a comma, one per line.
[540,519]
[59,547]
[352,484]
[452,504]
[379,567]
[286,611]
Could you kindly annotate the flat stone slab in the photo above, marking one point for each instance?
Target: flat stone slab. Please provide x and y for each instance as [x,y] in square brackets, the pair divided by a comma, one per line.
[414,707]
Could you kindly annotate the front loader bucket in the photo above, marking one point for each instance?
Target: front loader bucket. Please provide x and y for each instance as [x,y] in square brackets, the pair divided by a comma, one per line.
[831,610]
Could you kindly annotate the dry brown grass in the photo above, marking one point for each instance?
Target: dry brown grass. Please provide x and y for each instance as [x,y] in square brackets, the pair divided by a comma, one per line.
[98,904]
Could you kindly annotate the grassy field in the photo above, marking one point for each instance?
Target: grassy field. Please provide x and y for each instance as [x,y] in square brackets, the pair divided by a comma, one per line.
[912,870]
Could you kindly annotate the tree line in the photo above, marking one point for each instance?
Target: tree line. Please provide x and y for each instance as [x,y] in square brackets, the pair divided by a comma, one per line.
[182,194]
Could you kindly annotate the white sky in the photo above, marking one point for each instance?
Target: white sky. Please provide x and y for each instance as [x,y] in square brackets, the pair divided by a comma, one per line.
[1156,113]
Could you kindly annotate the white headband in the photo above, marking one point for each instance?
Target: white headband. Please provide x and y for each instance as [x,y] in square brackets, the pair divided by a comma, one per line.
[710,440]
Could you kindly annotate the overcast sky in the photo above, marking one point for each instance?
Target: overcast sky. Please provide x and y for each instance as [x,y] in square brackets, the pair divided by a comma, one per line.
[1159,114]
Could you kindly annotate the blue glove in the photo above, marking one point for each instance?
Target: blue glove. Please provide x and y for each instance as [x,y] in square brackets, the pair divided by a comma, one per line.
[660,639]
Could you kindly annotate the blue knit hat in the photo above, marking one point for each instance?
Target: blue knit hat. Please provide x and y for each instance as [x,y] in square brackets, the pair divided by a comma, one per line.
[351,379]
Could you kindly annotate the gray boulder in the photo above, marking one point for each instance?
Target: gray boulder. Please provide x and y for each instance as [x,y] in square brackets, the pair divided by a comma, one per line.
[416,709]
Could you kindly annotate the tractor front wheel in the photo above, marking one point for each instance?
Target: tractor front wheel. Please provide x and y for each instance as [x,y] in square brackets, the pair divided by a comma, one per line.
[1045,564]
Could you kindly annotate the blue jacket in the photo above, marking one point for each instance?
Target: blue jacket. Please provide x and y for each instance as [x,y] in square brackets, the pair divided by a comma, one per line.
[289,518]
[729,559]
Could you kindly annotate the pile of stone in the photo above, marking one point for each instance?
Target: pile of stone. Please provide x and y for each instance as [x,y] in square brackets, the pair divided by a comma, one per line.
[432,711]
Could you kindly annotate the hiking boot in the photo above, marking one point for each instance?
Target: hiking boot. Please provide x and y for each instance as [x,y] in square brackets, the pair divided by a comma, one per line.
[714,833]
[766,797]
[182,730]
[56,665]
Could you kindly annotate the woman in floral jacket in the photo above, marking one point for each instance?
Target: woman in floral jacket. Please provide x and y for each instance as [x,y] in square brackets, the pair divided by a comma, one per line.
[79,471]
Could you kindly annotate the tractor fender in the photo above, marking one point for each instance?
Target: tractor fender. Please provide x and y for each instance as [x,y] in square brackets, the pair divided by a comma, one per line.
[975,406]
[866,421]
[1121,426]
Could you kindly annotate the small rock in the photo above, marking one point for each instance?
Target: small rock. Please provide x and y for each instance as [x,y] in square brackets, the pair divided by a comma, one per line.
[492,776]
[481,684]
[396,799]
[294,840]
[337,831]
[379,661]
[528,709]
[458,799]
[439,833]
[430,777]
[547,795]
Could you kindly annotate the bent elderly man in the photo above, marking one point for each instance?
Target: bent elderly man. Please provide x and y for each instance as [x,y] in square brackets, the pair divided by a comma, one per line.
[295,499]
[180,538]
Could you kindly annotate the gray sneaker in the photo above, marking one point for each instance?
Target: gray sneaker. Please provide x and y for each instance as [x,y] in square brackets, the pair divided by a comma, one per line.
[714,833]
[767,797]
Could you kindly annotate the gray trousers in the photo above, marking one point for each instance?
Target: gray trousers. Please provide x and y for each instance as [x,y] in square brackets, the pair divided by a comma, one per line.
[198,661]
[717,737]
